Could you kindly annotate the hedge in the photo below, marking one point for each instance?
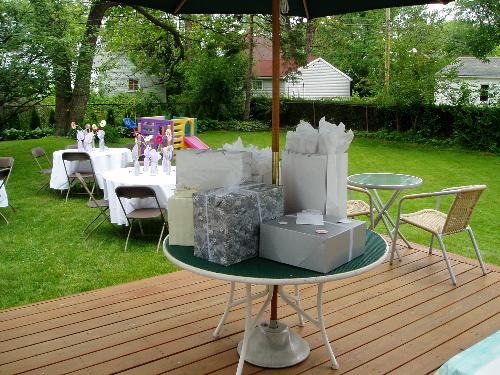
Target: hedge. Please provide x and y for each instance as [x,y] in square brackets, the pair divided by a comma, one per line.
[476,128]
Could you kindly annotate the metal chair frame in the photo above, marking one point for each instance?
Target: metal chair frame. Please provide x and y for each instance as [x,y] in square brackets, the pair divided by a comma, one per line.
[77,156]
[38,153]
[457,220]
[370,201]
[103,210]
[7,163]
[140,192]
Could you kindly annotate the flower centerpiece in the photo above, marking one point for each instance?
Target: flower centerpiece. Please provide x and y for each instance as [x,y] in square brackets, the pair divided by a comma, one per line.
[85,135]
[168,152]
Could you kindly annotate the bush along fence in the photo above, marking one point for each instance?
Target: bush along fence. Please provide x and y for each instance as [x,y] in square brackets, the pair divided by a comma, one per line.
[475,128]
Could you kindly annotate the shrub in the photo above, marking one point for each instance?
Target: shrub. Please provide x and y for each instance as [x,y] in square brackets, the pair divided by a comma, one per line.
[18,134]
[35,119]
[237,125]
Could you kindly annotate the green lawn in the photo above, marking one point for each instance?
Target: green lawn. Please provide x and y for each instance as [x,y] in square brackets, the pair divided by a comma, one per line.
[43,255]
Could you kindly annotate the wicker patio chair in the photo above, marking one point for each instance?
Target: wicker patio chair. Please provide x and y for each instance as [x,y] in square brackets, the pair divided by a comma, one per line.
[7,163]
[71,156]
[42,161]
[357,207]
[4,173]
[440,224]
[140,192]
[101,204]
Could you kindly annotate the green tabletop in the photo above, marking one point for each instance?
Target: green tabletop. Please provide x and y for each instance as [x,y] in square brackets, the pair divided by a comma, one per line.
[388,181]
[265,271]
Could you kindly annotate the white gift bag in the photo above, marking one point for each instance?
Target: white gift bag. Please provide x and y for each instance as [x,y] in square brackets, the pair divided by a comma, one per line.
[313,181]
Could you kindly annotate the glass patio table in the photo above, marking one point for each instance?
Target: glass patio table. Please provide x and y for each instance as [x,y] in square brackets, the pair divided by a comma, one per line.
[262,344]
[385,181]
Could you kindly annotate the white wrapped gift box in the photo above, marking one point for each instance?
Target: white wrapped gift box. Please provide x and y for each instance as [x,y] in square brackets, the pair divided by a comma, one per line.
[180,217]
[284,241]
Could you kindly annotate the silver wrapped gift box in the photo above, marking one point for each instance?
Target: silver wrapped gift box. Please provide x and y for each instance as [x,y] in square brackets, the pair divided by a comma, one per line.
[210,169]
[299,245]
[226,221]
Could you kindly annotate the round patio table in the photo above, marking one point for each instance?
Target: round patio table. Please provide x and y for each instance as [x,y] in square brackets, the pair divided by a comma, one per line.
[263,345]
[385,181]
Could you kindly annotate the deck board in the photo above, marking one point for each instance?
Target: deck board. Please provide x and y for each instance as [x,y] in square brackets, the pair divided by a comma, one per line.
[400,319]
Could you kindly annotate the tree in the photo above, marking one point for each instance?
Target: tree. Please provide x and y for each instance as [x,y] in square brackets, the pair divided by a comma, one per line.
[481,19]
[24,74]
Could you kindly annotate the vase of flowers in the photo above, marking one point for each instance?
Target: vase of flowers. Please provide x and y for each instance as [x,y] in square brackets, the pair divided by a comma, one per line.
[85,136]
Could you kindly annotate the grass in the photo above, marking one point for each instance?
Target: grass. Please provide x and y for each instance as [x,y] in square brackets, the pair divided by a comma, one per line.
[43,255]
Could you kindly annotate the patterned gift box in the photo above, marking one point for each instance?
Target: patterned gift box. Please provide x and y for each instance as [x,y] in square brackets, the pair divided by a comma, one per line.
[227,221]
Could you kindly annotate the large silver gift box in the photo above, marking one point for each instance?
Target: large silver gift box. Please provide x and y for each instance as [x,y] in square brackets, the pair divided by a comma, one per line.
[210,169]
[299,245]
[226,221]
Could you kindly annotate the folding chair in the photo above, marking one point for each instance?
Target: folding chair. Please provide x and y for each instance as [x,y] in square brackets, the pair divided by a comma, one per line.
[357,207]
[77,157]
[140,192]
[7,163]
[71,147]
[4,173]
[101,204]
[39,154]
[440,224]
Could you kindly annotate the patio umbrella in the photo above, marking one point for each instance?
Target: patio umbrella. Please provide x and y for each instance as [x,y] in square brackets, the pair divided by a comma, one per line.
[301,8]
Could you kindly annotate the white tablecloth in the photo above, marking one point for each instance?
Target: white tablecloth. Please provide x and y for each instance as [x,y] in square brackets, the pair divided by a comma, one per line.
[4,202]
[163,185]
[102,161]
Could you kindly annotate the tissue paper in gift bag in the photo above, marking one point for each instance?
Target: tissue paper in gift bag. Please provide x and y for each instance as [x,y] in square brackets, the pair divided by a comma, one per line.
[300,245]
[180,217]
[210,169]
[314,181]
[226,221]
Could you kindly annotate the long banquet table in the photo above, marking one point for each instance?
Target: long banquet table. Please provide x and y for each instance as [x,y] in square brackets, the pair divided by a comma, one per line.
[163,185]
[102,161]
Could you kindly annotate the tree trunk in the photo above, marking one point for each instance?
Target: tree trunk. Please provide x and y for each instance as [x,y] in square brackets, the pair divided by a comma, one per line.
[62,77]
[310,31]
[81,89]
[248,77]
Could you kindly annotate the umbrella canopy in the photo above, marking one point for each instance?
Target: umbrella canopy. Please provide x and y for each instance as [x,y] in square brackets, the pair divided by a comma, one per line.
[300,8]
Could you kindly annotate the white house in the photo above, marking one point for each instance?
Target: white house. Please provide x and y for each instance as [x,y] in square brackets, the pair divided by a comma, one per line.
[115,73]
[481,78]
[316,80]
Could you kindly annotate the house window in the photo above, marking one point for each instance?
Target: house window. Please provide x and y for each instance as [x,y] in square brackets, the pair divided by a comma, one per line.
[483,93]
[257,84]
[133,85]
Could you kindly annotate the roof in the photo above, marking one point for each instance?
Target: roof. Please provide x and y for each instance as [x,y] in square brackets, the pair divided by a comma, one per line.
[320,60]
[472,67]
[263,55]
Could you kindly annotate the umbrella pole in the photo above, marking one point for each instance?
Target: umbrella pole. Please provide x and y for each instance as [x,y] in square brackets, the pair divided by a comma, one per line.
[273,323]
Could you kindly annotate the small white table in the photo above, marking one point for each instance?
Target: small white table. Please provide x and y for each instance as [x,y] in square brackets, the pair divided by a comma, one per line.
[102,161]
[163,185]
[262,344]
[385,181]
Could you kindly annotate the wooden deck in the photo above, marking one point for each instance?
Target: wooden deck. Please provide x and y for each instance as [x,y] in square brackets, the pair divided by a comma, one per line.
[405,319]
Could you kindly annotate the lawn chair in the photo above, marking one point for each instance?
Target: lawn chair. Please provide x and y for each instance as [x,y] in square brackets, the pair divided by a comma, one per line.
[71,156]
[101,204]
[39,154]
[140,192]
[7,163]
[440,224]
[357,207]
[4,173]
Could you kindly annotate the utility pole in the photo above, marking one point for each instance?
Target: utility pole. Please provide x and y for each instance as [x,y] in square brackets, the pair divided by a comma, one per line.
[387,50]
